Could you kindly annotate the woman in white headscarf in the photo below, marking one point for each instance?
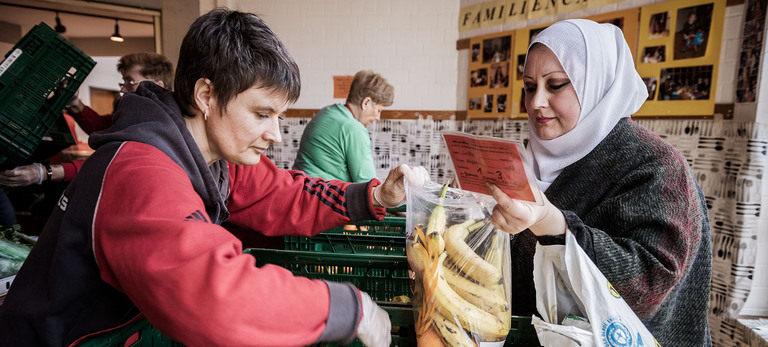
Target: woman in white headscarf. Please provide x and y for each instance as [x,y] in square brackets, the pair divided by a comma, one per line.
[629,197]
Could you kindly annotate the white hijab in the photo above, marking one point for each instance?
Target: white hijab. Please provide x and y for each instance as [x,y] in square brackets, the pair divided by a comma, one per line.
[613,91]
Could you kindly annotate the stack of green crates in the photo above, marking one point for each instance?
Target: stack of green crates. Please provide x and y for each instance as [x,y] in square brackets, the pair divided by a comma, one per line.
[366,237]
[369,254]
[38,77]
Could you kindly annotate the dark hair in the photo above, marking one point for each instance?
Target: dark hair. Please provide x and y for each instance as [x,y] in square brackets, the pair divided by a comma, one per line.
[367,83]
[153,65]
[236,51]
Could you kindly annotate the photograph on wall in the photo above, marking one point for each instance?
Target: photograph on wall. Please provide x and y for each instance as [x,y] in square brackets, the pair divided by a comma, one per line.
[499,75]
[685,83]
[652,84]
[751,47]
[497,49]
[475,104]
[533,33]
[746,84]
[501,103]
[478,77]
[520,66]
[488,103]
[692,32]
[475,52]
[659,25]
[619,22]
[654,54]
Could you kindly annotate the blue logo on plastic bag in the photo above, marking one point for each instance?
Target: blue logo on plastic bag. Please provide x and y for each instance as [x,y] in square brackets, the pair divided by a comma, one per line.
[616,333]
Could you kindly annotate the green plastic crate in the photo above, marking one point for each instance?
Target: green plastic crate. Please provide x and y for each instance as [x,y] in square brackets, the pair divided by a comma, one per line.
[351,244]
[136,334]
[394,226]
[37,79]
[522,333]
[393,211]
[383,277]
[142,334]
[386,236]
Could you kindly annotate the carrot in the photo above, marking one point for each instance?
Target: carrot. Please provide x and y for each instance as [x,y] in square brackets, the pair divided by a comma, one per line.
[430,338]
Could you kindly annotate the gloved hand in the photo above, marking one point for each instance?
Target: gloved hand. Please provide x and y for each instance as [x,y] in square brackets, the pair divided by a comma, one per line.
[75,105]
[513,216]
[375,329]
[22,176]
[391,193]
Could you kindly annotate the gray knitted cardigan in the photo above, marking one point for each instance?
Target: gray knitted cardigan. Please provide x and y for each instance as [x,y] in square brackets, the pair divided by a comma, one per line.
[635,208]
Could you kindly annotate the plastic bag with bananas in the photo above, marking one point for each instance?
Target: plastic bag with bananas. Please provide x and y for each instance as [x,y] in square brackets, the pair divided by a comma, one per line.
[459,268]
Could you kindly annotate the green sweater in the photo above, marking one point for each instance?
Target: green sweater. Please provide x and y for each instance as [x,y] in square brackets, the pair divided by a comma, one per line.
[336,146]
[635,208]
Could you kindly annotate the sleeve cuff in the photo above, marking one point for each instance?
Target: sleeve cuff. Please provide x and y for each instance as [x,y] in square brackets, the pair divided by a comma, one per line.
[69,171]
[548,240]
[344,313]
[359,202]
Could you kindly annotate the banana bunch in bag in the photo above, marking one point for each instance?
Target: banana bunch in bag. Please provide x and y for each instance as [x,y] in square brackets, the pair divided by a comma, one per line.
[458,267]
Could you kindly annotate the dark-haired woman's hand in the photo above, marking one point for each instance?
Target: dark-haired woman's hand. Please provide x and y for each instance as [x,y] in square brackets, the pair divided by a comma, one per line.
[391,193]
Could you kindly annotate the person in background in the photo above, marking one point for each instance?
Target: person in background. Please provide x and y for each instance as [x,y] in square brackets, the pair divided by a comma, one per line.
[692,29]
[137,233]
[336,144]
[629,197]
[135,68]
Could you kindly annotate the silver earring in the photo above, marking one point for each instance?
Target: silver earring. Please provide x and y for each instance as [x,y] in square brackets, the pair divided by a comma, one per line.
[205,116]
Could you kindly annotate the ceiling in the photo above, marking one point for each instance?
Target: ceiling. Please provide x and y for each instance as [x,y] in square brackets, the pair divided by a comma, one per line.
[83,21]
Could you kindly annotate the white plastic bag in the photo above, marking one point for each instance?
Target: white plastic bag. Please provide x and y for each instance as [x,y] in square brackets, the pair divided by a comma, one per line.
[568,282]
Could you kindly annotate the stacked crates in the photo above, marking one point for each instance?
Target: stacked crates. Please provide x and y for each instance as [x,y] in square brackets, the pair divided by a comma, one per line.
[369,254]
[38,77]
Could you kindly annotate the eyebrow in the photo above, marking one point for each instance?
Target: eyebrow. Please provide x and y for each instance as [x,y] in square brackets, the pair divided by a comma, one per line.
[546,74]
[268,109]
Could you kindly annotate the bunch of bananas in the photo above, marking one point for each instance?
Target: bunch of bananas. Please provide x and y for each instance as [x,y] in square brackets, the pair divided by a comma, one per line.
[459,294]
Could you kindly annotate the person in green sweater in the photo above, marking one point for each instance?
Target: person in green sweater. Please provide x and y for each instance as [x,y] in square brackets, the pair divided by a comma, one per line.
[336,144]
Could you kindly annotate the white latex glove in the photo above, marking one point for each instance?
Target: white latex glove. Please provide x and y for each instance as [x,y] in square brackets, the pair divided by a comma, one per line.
[22,176]
[391,193]
[75,105]
[416,176]
[514,216]
[375,329]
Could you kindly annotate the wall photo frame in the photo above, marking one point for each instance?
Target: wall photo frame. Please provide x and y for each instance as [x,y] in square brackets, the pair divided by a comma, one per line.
[680,44]
[492,70]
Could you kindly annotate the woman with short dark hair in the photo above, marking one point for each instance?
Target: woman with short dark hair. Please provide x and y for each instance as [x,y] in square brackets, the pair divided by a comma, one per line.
[137,233]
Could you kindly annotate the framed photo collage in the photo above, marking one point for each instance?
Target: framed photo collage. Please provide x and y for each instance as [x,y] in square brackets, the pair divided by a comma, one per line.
[676,46]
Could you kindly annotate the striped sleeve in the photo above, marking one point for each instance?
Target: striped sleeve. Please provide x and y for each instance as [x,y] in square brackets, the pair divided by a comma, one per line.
[280,202]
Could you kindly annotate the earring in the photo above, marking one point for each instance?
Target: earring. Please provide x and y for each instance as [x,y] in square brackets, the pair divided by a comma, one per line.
[205,116]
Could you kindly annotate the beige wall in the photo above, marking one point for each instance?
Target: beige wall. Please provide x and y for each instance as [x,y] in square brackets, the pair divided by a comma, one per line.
[9,35]
[177,16]
[102,46]
[411,43]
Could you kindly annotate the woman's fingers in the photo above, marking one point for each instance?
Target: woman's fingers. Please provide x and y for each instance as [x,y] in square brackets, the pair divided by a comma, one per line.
[509,215]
